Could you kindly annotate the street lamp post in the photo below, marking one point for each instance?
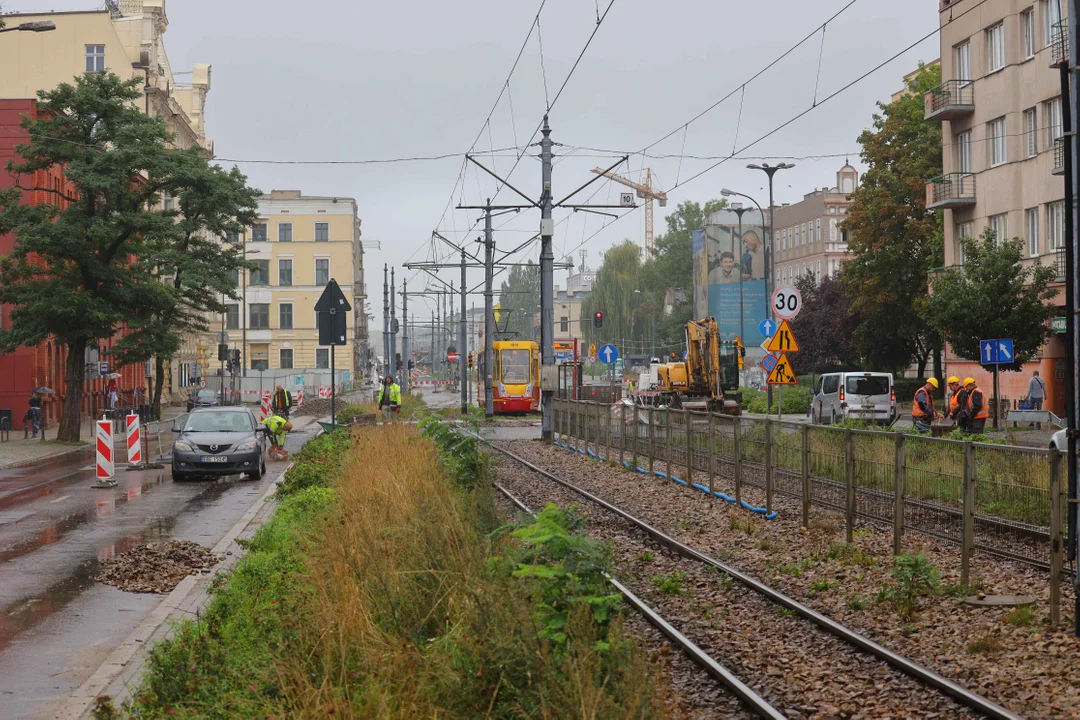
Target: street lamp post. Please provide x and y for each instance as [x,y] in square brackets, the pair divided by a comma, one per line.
[771,170]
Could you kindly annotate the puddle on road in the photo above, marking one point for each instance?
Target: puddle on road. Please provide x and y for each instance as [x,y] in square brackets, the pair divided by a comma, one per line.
[27,612]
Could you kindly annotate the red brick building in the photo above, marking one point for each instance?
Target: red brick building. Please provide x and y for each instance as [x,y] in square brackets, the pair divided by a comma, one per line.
[43,364]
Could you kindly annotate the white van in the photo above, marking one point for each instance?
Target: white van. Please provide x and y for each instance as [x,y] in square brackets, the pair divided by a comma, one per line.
[866,396]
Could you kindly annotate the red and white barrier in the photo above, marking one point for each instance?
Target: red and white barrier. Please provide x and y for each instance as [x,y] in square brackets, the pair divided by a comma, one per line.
[105,465]
[300,397]
[418,383]
[264,407]
[134,440]
[324,392]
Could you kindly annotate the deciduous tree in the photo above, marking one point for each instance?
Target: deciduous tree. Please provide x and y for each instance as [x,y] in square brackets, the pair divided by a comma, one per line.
[992,295]
[894,241]
[824,327]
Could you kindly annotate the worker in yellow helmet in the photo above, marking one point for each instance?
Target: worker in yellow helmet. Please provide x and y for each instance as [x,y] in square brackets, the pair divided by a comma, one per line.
[957,403]
[977,409]
[922,409]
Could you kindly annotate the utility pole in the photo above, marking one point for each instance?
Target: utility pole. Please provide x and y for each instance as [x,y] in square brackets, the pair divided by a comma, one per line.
[547,278]
[463,345]
[1070,87]
[393,329]
[436,334]
[405,335]
[385,322]
[489,314]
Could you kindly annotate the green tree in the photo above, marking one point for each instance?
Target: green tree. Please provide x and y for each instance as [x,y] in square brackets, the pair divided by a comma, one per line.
[75,272]
[195,260]
[613,294]
[992,295]
[824,327]
[519,302]
[894,241]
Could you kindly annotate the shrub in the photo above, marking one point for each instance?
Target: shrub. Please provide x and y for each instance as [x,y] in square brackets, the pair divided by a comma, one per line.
[1021,616]
[671,584]
[318,464]
[913,577]
[983,644]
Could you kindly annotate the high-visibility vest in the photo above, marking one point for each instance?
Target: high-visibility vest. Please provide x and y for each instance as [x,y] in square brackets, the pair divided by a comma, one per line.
[954,402]
[917,411]
[395,394]
[275,424]
[984,411]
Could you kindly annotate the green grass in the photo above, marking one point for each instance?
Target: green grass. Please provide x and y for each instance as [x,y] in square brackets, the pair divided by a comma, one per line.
[671,584]
[1022,616]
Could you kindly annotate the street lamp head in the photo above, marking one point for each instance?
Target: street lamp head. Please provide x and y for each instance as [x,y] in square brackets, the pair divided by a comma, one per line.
[786,166]
[727,193]
[752,166]
[37,26]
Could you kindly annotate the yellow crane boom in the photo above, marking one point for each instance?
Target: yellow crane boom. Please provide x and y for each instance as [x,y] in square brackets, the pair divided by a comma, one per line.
[646,192]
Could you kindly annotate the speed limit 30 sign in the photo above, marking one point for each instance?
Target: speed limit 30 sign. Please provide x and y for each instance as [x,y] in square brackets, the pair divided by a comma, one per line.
[786,302]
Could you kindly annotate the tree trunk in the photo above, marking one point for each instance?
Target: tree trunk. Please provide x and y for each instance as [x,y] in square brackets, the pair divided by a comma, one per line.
[71,419]
[921,359]
[159,383]
[939,371]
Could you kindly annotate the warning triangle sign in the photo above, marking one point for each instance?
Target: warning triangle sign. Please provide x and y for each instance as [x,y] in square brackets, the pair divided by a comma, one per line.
[783,341]
[783,373]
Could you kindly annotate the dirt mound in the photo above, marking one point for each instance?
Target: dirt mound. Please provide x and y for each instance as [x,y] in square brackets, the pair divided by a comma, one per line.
[156,567]
[319,407]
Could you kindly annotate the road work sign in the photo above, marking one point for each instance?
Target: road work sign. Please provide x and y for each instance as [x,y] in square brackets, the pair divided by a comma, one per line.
[783,341]
[783,373]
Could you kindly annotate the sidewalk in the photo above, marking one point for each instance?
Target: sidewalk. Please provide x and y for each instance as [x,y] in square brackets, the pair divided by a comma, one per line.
[19,451]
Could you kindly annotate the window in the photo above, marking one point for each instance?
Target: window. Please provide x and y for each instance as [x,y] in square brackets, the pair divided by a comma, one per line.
[1052,118]
[261,274]
[1031,146]
[1051,12]
[166,202]
[798,237]
[284,232]
[234,277]
[285,316]
[995,48]
[963,152]
[260,364]
[813,236]
[515,366]
[962,56]
[817,274]
[232,316]
[995,133]
[284,272]
[260,316]
[258,232]
[830,384]
[232,237]
[1027,33]
[322,232]
[999,225]
[1031,220]
[285,356]
[322,271]
[804,236]
[963,233]
[1055,224]
[819,237]
[322,358]
[564,324]
[95,58]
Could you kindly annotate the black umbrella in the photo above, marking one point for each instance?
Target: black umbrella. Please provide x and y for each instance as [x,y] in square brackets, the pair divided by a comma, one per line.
[44,391]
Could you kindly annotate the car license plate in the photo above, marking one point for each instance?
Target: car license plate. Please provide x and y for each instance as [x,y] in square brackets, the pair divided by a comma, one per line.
[215,458]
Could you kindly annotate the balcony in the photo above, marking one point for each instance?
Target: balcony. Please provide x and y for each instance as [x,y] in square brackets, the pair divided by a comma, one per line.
[1059,157]
[1059,44]
[955,190]
[950,100]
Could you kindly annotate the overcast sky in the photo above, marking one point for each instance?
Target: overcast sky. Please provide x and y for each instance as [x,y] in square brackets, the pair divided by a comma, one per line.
[344,80]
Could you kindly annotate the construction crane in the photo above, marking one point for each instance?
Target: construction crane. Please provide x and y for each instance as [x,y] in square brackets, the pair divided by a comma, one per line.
[645,192]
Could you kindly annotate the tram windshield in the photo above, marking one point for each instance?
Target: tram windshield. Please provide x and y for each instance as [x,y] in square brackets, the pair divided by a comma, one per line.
[515,367]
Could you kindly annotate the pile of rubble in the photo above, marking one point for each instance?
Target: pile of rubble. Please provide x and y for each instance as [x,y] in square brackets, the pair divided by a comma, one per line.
[156,567]
[317,407]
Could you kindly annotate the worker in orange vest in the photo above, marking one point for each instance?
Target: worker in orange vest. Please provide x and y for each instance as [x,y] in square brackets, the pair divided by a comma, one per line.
[922,409]
[957,403]
[977,410]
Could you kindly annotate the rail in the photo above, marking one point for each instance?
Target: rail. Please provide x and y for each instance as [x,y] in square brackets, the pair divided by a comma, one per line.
[904,665]
[997,500]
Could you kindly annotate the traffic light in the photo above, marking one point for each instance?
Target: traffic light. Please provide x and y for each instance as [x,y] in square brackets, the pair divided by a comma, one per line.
[598,319]
[222,352]
[472,359]
[411,363]
[397,360]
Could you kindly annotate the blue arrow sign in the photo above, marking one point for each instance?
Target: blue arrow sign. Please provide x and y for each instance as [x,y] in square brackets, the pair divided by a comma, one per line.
[997,352]
[767,328]
[608,354]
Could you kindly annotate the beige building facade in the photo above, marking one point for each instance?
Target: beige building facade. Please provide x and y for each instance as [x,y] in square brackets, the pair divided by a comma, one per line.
[1000,111]
[809,238]
[299,244]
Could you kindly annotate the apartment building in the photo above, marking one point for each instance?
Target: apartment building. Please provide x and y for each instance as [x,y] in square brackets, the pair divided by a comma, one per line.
[298,244]
[568,305]
[125,37]
[1000,110]
[809,235]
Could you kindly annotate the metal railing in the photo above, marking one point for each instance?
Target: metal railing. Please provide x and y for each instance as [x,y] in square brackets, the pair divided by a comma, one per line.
[950,93]
[996,500]
[1059,264]
[1059,43]
[953,186]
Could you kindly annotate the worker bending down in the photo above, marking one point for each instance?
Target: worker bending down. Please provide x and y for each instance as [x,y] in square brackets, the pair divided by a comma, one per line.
[278,427]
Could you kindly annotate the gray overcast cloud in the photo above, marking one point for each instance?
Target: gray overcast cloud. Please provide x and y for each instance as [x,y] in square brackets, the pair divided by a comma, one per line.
[346,80]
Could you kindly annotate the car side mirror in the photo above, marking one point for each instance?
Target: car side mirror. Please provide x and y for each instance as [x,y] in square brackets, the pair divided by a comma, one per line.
[178,423]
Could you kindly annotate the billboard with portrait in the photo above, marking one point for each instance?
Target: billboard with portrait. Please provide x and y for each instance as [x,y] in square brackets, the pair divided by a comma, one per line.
[734,289]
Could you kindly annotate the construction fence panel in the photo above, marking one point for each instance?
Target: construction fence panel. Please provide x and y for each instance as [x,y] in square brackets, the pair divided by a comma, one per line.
[934,487]
[787,458]
[1012,502]
[827,467]
[875,475]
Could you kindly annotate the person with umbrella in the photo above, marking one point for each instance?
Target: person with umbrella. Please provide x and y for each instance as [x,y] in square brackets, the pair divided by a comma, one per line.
[32,418]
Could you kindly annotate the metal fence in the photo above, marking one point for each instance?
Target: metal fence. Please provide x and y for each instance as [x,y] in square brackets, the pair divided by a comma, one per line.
[997,500]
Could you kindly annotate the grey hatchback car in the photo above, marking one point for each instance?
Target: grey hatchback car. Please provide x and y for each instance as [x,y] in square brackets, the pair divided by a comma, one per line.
[218,441]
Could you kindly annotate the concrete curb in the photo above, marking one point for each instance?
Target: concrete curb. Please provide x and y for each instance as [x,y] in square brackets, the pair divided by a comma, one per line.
[88,448]
[138,641]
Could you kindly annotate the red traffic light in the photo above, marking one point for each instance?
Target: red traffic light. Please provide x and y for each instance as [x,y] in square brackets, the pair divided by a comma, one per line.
[598,318]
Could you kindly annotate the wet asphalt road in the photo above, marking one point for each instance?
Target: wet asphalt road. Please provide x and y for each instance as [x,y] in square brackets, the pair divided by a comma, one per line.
[56,624]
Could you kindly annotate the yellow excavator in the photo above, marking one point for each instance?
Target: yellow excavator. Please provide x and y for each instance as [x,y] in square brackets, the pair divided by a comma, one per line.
[709,377]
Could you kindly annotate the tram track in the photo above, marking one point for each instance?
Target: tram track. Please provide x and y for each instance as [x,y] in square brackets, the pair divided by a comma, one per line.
[861,653]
